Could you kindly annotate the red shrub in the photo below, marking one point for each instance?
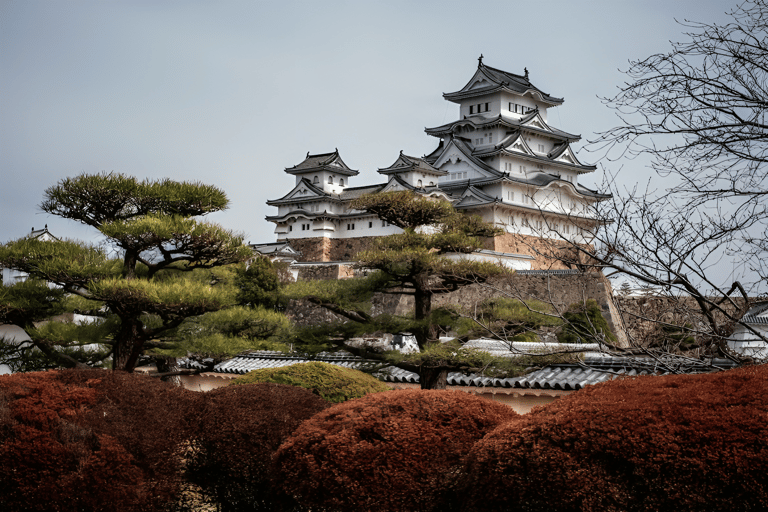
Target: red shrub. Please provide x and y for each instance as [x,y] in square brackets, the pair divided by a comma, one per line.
[397,450]
[240,429]
[88,440]
[686,442]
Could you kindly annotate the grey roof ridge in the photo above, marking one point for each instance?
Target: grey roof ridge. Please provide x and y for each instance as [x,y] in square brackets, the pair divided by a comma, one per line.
[304,213]
[304,181]
[510,81]
[322,164]
[472,190]
[414,164]
[467,151]
[479,120]
[535,113]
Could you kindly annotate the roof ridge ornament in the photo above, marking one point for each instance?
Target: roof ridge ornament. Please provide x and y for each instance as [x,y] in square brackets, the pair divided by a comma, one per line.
[526,73]
[480,60]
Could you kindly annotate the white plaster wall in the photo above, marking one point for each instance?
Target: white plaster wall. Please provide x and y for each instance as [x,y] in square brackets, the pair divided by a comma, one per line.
[505,261]
[11,276]
[322,177]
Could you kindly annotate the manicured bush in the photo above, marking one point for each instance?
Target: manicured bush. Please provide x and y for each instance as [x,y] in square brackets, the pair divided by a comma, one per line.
[683,442]
[397,450]
[333,383]
[89,440]
[240,428]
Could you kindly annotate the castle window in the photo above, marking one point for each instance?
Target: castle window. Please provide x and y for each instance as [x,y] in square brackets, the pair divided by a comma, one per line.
[290,228]
[370,224]
[431,183]
[330,180]
[510,195]
[511,220]
[418,184]
[316,180]
[523,169]
[341,182]
[350,227]
[471,109]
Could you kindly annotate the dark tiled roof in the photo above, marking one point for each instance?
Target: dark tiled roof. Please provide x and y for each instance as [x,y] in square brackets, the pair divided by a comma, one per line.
[410,163]
[322,161]
[555,376]
[756,314]
[480,121]
[260,360]
[275,248]
[499,80]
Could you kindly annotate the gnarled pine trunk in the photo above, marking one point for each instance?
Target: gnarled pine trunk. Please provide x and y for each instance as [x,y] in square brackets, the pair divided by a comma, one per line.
[433,378]
[128,343]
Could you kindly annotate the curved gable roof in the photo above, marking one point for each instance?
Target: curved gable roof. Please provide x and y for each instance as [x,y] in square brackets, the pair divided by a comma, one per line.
[492,80]
[322,162]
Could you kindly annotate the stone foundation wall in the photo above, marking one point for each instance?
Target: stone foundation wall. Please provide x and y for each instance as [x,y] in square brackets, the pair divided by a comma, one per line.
[331,249]
[559,290]
[549,254]
[347,249]
[643,316]
[313,249]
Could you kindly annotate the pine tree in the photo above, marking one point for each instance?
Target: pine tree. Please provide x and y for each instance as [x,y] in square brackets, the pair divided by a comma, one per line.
[415,263]
[147,277]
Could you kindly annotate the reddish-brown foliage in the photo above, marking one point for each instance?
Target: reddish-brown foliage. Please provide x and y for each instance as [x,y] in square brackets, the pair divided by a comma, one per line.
[685,442]
[397,450]
[240,429]
[89,440]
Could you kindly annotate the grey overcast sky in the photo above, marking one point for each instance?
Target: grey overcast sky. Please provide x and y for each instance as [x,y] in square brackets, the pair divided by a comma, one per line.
[233,92]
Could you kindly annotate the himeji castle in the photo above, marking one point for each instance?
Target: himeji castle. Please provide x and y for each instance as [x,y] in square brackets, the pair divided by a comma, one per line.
[501,160]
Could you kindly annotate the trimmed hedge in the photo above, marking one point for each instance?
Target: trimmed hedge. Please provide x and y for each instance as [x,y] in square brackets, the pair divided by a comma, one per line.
[397,450]
[333,383]
[240,428]
[683,443]
[77,440]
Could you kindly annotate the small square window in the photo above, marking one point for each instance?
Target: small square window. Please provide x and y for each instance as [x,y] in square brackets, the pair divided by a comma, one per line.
[370,224]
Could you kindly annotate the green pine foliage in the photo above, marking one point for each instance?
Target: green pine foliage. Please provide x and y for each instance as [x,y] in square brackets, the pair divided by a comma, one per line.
[415,263]
[585,323]
[257,284]
[507,319]
[333,383]
[156,267]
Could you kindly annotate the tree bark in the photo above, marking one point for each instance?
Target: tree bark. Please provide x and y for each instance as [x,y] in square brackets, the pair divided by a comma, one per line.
[422,299]
[128,343]
[433,378]
[170,366]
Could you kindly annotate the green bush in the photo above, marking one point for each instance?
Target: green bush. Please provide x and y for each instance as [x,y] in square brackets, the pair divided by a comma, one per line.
[333,383]
[678,442]
[584,323]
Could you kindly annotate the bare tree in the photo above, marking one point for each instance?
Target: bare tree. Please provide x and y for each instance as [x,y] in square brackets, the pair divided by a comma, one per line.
[697,113]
